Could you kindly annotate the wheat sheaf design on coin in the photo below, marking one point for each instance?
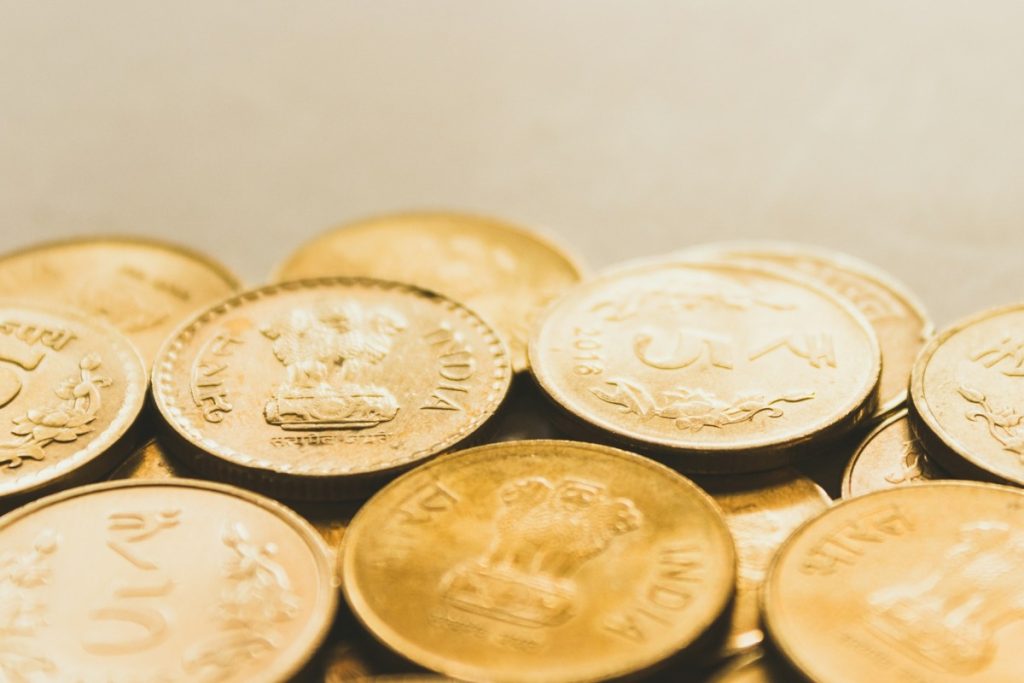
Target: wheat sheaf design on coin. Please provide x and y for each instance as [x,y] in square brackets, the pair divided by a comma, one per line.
[544,533]
[949,617]
[21,612]
[324,350]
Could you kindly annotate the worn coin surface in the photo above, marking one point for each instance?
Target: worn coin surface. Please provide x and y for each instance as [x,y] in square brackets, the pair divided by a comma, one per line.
[503,272]
[161,581]
[71,390]
[898,318]
[724,366]
[889,456]
[311,389]
[919,584]
[761,511]
[967,396]
[539,561]
[142,287]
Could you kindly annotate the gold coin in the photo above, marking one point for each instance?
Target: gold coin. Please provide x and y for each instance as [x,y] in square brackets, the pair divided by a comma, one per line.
[539,561]
[967,397]
[71,390]
[918,584]
[503,272]
[898,318]
[754,668]
[320,388]
[728,367]
[761,510]
[143,287]
[161,581]
[890,456]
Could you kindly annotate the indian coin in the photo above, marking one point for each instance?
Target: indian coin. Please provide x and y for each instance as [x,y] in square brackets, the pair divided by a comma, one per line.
[898,318]
[162,581]
[761,510]
[321,388]
[890,456]
[143,287]
[724,366]
[967,397]
[539,561]
[919,584]
[71,390]
[504,272]
[753,668]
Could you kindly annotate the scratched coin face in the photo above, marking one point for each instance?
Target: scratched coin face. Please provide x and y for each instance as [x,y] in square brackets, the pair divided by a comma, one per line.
[890,456]
[899,320]
[70,391]
[142,287]
[761,510]
[967,396]
[539,561]
[97,587]
[918,584]
[727,367]
[505,273]
[312,389]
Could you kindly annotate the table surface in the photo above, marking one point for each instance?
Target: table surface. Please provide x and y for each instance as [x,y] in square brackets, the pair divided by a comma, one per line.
[886,128]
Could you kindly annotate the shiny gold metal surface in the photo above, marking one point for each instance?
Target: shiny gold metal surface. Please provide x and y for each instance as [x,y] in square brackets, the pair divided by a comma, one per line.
[171,581]
[753,668]
[967,396]
[761,510]
[898,318]
[321,388]
[151,461]
[143,287]
[918,584]
[539,561]
[71,390]
[503,272]
[722,366]
[890,456]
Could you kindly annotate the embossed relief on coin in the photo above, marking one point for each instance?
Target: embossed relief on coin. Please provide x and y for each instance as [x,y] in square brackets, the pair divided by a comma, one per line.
[890,456]
[705,356]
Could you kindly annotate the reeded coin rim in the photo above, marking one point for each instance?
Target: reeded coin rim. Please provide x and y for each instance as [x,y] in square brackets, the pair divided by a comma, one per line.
[390,636]
[714,458]
[767,597]
[280,479]
[952,455]
[326,602]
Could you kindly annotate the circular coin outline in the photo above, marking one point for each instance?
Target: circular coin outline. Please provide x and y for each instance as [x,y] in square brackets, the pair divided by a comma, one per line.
[326,603]
[847,481]
[388,635]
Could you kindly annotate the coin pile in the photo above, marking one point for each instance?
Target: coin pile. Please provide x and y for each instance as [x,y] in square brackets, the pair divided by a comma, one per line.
[433,448]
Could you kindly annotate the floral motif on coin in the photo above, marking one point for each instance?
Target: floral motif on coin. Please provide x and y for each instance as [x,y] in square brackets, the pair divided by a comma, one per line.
[21,613]
[63,422]
[1006,426]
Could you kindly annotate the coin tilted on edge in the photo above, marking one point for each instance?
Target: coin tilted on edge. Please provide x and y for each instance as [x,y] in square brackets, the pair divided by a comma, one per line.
[145,288]
[967,396]
[70,392]
[505,273]
[539,561]
[725,367]
[320,388]
[162,581]
[889,456]
[919,583]
[761,511]
[898,318]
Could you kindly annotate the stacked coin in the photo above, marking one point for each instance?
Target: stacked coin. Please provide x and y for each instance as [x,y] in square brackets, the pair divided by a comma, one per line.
[507,471]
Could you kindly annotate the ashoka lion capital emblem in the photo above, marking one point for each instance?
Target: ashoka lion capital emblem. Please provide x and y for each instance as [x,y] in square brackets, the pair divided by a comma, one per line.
[324,350]
[544,534]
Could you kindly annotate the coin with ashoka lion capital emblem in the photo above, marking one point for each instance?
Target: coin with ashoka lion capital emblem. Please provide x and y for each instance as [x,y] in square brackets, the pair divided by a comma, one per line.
[320,388]
[175,581]
[539,561]
[721,367]
[920,583]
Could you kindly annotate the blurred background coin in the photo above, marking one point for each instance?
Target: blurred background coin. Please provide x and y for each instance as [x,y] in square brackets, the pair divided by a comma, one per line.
[890,456]
[143,287]
[539,561]
[505,273]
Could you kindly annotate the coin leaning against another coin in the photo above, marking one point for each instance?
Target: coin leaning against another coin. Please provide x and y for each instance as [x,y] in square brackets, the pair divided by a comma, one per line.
[539,561]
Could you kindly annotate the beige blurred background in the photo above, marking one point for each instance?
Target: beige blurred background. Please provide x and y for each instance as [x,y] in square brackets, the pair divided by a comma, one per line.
[892,129]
